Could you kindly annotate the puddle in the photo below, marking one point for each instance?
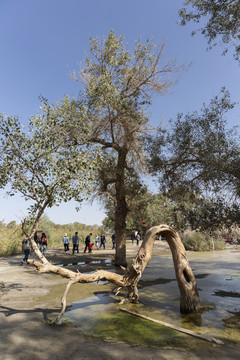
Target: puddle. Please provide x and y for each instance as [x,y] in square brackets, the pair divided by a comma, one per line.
[227,294]
[201,276]
[82,313]
[99,315]
[94,262]
[145,283]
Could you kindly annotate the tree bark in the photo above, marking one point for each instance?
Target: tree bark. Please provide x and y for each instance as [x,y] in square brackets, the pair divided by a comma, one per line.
[189,297]
[121,211]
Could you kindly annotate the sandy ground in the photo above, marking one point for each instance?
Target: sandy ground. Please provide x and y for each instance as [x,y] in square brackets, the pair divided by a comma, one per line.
[25,332]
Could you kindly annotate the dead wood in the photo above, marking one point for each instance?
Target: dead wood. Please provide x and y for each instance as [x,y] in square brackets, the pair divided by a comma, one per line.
[174,327]
[189,298]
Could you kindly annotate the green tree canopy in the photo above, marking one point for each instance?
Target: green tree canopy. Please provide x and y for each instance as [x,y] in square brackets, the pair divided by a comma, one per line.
[222,21]
[199,150]
[37,164]
[199,155]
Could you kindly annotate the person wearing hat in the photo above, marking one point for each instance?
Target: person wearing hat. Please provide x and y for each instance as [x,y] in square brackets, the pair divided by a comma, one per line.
[66,242]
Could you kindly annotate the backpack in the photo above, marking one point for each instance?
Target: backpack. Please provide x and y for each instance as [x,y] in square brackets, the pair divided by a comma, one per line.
[26,244]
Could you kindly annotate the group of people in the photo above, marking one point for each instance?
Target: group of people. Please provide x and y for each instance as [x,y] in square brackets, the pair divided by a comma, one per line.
[99,242]
[100,239]
[42,242]
[75,242]
[26,246]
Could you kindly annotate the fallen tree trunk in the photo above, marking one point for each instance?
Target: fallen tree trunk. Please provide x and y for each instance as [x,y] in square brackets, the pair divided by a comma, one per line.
[189,298]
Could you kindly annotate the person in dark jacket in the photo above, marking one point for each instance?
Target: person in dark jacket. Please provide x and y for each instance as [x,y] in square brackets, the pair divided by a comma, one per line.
[103,240]
[114,241]
[75,241]
[87,242]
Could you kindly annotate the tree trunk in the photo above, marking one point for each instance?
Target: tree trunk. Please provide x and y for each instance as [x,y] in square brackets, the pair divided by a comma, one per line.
[189,297]
[121,211]
[120,231]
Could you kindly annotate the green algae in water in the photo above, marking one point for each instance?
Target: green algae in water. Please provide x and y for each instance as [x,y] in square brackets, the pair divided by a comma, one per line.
[99,316]
[118,326]
[127,328]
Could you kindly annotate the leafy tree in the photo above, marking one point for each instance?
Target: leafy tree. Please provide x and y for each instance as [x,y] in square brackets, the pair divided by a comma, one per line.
[183,210]
[222,18]
[200,157]
[197,212]
[37,165]
[118,88]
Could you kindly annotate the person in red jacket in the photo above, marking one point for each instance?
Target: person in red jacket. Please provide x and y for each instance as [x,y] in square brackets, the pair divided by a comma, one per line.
[43,243]
[90,246]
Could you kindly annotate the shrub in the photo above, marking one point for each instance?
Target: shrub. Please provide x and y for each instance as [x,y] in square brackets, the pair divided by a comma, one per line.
[10,240]
[196,241]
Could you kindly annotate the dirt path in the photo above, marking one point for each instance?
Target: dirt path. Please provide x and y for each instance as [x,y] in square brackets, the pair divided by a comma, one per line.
[25,333]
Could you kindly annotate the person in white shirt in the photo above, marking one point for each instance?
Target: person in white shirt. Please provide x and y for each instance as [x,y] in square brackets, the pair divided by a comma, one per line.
[66,242]
[96,241]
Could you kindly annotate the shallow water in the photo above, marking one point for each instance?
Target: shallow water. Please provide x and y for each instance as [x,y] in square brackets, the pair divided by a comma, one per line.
[94,262]
[218,278]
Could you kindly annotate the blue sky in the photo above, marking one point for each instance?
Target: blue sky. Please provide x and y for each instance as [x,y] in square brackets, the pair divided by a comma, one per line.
[42,41]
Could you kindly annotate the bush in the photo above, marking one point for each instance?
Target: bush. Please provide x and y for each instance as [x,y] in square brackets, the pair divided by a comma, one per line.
[10,240]
[196,241]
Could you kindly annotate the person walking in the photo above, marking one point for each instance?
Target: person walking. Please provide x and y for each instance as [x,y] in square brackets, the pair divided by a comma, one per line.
[96,241]
[138,238]
[66,242]
[87,242]
[25,250]
[75,241]
[43,243]
[113,241]
[133,236]
[103,240]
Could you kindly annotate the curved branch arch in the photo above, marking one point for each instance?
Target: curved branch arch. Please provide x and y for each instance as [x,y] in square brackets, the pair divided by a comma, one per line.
[189,297]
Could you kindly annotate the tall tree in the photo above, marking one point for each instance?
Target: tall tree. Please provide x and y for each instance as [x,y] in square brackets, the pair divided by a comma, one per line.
[118,88]
[222,21]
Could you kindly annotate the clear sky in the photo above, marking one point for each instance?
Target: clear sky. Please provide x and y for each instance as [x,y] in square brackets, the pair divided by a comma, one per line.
[42,41]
